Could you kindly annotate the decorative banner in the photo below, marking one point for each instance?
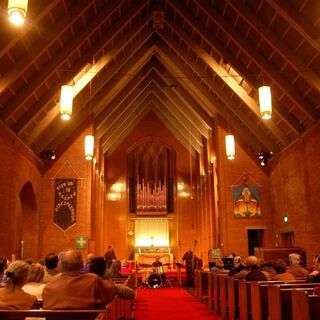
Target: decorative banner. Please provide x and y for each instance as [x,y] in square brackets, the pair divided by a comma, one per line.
[246,202]
[81,242]
[65,202]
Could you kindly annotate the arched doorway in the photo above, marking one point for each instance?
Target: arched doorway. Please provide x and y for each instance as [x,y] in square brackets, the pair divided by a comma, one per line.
[28,230]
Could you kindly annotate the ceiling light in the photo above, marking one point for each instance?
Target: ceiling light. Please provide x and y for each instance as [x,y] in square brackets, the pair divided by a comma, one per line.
[89,147]
[265,102]
[230,146]
[17,10]
[66,101]
[264,158]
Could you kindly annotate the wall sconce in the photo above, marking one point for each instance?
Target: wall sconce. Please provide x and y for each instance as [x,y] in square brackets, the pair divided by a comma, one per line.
[285,219]
[17,11]
[89,147]
[230,147]
[66,101]
[265,102]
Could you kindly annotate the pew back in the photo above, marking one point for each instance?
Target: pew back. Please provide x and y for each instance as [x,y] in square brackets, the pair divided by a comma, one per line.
[305,306]
[53,314]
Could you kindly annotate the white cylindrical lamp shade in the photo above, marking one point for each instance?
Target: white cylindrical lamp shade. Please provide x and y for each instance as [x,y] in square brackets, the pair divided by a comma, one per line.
[265,102]
[66,102]
[230,147]
[89,147]
[17,10]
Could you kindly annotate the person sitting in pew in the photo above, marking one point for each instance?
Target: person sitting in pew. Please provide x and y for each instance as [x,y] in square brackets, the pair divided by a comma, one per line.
[76,290]
[98,266]
[316,290]
[12,297]
[252,271]
[294,266]
[268,266]
[34,283]
[314,276]
[282,274]
[237,266]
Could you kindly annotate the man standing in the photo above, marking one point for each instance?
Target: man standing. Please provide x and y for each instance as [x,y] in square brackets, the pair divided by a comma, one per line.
[188,258]
[109,256]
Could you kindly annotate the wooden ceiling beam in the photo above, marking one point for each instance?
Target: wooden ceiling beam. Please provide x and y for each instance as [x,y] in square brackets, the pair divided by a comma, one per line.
[71,47]
[301,24]
[38,49]
[265,66]
[275,42]
[196,89]
[177,106]
[221,94]
[221,72]
[29,116]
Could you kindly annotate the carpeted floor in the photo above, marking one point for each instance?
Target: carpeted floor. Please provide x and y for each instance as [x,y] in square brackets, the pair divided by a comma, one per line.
[169,304]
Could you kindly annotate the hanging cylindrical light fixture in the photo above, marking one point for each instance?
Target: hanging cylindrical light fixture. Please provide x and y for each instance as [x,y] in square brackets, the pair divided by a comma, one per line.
[89,147]
[17,10]
[265,102]
[66,101]
[230,147]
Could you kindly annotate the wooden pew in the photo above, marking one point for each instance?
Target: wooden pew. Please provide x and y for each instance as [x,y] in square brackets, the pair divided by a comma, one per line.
[216,293]
[203,284]
[223,296]
[210,290]
[259,296]
[53,314]
[280,299]
[244,299]
[233,298]
[305,306]
[197,283]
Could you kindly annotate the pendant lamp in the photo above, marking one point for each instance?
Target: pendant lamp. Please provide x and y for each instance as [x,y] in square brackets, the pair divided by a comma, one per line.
[89,147]
[17,10]
[265,102]
[230,146]
[66,101]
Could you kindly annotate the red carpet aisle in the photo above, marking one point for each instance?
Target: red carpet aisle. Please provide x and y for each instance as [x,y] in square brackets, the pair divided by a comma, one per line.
[170,304]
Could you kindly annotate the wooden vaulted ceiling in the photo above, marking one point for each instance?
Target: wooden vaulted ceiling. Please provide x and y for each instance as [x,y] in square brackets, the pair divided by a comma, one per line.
[186,60]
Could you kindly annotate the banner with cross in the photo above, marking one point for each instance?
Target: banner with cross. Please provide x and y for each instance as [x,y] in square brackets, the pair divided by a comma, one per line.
[81,242]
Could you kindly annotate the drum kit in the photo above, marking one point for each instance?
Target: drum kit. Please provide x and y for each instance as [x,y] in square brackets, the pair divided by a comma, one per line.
[155,278]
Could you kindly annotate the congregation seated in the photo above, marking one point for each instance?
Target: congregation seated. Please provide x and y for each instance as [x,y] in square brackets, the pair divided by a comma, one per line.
[237,266]
[294,267]
[34,284]
[76,290]
[268,266]
[3,267]
[98,266]
[252,271]
[51,271]
[114,271]
[281,269]
[86,266]
[12,297]
[314,276]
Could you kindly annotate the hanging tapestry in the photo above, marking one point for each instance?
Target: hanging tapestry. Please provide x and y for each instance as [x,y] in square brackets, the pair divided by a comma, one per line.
[246,202]
[65,202]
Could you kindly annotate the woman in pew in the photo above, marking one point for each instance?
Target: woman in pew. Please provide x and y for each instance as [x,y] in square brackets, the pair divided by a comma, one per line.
[34,283]
[237,266]
[314,276]
[12,296]
[282,274]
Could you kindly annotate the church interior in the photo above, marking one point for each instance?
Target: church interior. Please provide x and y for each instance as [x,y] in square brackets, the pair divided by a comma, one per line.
[160,125]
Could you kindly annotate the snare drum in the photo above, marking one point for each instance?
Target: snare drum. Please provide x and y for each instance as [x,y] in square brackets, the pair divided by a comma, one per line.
[154,281]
